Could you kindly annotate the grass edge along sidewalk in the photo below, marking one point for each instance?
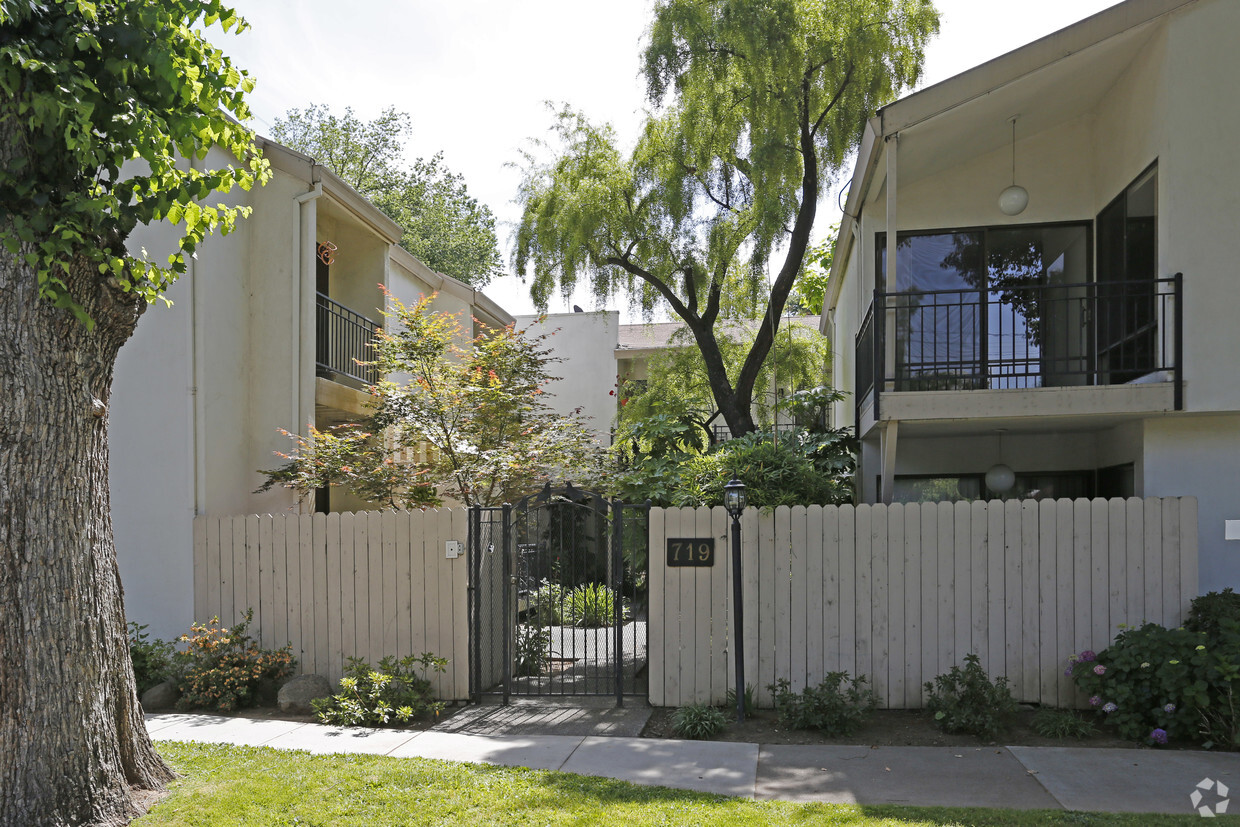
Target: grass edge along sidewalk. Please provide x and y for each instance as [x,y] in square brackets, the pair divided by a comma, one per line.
[231,785]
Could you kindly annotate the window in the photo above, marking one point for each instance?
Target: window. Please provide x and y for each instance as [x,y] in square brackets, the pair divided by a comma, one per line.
[998,307]
[969,487]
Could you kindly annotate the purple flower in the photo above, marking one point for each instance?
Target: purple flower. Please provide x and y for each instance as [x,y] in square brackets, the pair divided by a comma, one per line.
[1109,707]
[1088,655]
[1100,669]
[1169,708]
[1095,700]
[1159,736]
[1068,672]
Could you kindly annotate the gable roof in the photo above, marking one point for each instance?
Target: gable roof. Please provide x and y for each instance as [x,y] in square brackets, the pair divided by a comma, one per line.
[1079,62]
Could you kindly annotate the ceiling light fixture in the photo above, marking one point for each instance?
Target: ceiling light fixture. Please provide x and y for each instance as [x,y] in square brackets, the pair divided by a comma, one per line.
[1000,478]
[1014,199]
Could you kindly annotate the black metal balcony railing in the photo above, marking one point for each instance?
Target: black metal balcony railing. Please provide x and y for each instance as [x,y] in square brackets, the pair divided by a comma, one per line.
[343,342]
[722,433]
[1021,336]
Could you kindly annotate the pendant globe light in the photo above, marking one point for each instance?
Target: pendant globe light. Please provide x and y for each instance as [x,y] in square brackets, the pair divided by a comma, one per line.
[1000,478]
[1014,199]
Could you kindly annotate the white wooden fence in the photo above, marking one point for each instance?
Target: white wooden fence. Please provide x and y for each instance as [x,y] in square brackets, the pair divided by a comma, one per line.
[339,585]
[901,593]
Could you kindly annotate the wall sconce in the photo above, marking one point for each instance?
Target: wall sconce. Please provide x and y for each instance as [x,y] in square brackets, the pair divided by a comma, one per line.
[1014,199]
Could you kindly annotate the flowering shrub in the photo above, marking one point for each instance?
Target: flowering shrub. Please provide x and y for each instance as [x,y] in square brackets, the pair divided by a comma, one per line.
[1155,684]
[223,667]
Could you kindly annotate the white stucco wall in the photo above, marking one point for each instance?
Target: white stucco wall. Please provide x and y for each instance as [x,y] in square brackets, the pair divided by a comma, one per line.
[1200,455]
[585,344]
[1199,196]
[151,469]
[231,314]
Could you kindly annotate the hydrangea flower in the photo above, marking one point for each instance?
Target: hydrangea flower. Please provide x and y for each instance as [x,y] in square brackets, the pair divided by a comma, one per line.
[1095,700]
[1109,707]
[1088,655]
[1073,658]
[1145,665]
[1159,736]
[1068,672]
[1100,669]
[1169,708]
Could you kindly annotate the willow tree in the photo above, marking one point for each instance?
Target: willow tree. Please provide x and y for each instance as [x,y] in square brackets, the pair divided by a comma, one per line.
[755,104]
[100,104]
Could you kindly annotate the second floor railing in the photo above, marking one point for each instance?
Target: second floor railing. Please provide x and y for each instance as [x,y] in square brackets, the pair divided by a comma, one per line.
[343,342]
[1015,336]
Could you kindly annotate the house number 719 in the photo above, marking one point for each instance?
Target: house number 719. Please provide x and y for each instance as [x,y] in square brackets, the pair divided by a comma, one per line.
[691,551]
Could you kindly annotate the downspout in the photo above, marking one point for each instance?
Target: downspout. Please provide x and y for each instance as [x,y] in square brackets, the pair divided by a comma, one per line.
[302,331]
[198,445]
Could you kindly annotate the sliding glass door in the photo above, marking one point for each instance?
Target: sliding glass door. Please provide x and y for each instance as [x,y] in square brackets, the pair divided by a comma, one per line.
[1127,268]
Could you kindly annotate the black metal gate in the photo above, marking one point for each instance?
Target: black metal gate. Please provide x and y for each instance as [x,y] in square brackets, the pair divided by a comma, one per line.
[558,596]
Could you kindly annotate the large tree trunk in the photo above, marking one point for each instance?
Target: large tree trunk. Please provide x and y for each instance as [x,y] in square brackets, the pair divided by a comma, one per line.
[72,738]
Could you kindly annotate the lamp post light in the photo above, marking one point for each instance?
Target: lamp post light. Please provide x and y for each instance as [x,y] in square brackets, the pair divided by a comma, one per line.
[734,502]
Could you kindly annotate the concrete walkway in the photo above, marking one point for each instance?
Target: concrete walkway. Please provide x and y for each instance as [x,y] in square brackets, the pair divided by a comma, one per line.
[1107,780]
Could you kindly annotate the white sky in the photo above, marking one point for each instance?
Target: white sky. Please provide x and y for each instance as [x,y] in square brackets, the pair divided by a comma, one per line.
[475,74]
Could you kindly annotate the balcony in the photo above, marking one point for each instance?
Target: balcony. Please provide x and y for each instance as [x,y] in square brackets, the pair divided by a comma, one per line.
[1020,337]
[342,344]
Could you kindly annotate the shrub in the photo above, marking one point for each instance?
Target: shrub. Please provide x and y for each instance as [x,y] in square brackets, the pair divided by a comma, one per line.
[547,604]
[1219,725]
[795,468]
[831,708]
[532,651]
[698,721]
[398,689]
[751,703]
[153,659]
[223,667]
[1170,681]
[1062,723]
[592,605]
[1208,612]
[966,700]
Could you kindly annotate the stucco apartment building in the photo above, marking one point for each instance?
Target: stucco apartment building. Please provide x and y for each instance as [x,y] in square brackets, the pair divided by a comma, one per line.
[1034,291]
[263,334]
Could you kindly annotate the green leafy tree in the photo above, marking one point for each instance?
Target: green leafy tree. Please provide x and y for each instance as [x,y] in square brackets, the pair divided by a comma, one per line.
[462,417]
[678,383]
[444,227]
[756,103]
[100,104]
[810,289]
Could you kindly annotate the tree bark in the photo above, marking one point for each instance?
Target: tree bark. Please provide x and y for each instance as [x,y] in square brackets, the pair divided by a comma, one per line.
[72,737]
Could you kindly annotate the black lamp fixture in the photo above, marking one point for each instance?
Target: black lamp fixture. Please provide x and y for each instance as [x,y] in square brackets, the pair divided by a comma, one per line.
[734,498]
[734,502]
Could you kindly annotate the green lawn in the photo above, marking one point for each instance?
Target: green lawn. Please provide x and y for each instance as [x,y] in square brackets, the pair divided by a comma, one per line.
[222,785]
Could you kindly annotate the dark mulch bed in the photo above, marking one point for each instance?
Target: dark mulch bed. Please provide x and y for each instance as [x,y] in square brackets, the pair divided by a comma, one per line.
[886,728]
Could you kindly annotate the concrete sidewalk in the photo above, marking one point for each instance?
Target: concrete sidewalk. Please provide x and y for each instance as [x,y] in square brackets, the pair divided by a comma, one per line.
[1105,780]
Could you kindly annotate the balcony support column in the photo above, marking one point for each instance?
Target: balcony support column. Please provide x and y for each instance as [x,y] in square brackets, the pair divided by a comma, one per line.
[887,449]
[891,281]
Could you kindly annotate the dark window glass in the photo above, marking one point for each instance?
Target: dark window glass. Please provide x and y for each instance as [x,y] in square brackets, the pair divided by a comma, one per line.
[1127,267]
[992,308]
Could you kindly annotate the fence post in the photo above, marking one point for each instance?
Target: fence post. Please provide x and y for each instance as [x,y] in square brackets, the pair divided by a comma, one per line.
[509,627]
[617,581]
